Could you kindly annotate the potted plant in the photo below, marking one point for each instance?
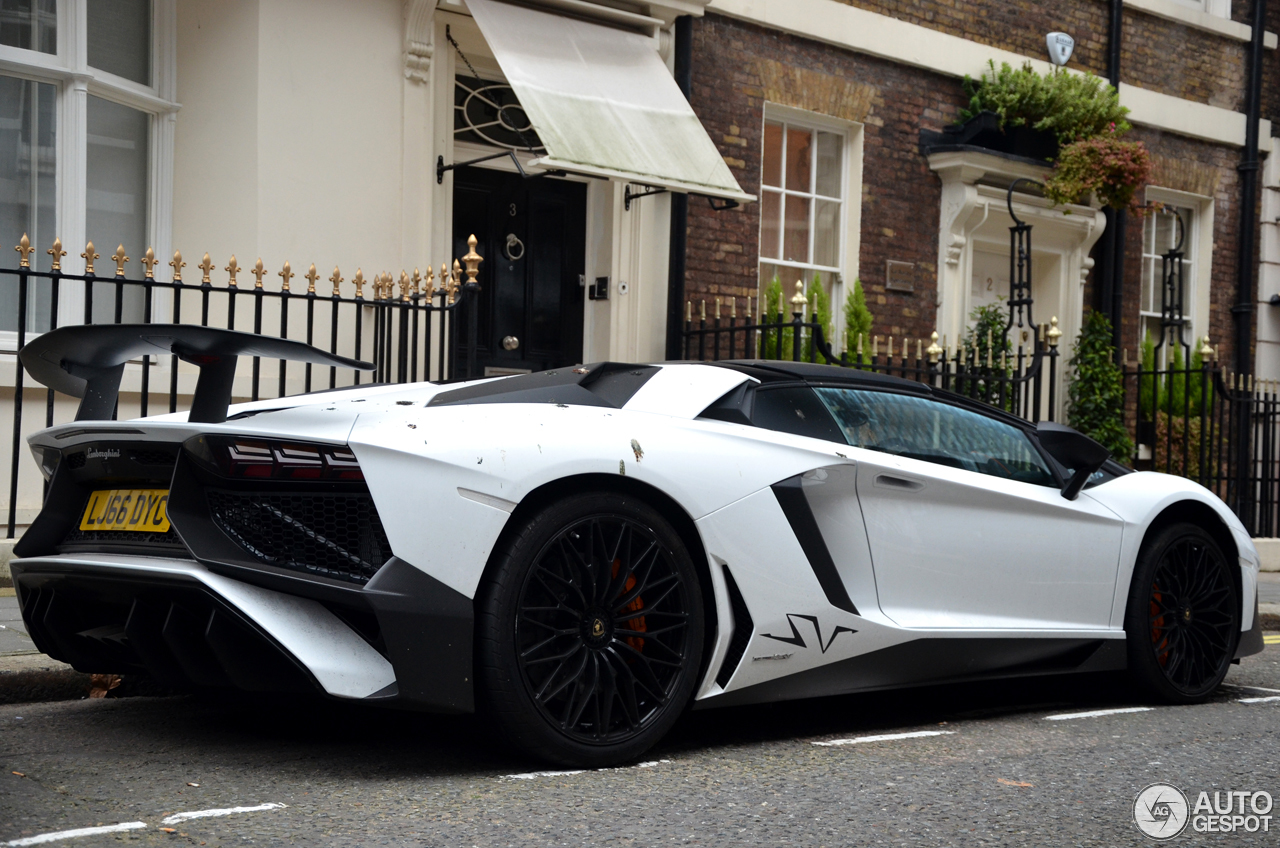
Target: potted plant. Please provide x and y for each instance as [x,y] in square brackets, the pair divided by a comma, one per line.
[1021,112]
[1106,166]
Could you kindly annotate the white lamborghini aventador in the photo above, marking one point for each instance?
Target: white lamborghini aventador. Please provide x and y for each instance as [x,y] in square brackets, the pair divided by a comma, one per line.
[585,553]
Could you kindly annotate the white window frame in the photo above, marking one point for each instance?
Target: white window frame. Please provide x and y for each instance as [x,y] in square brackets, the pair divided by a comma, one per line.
[69,71]
[849,230]
[1217,8]
[1198,246]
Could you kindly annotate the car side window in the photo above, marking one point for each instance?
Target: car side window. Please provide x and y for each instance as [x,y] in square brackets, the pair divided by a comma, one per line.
[795,410]
[923,428]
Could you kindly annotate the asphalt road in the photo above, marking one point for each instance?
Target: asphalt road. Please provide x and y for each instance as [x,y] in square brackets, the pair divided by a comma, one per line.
[999,772]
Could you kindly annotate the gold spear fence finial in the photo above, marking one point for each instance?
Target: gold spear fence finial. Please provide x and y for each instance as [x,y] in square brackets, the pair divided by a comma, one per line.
[1054,333]
[286,274]
[311,276]
[176,264]
[119,258]
[417,281]
[336,279]
[358,279]
[88,256]
[404,286]
[934,351]
[205,266]
[429,284]
[798,299]
[57,253]
[233,268]
[258,272]
[1206,350]
[25,250]
[455,280]
[472,259]
[149,261]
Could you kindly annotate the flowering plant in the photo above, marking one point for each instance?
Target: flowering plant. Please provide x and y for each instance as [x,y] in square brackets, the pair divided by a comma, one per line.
[1106,165]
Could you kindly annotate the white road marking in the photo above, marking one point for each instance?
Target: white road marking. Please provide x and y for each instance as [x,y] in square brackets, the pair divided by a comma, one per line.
[1252,688]
[916,734]
[59,835]
[1098,713]
[531,775]
[1266,700]
[225,811]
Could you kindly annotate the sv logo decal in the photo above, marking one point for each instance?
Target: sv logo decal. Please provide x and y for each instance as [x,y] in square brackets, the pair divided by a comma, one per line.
[796,639]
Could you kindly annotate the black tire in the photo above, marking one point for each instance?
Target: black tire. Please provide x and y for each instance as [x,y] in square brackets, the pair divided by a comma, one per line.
[1182,622]
[566,667]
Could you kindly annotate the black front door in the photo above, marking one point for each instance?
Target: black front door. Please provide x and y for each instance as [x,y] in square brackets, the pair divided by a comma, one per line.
[532,235]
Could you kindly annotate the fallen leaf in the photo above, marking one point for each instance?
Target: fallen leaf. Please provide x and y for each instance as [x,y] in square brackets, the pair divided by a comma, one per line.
[101,684]
[1007,782]
[169,829]
[18,773]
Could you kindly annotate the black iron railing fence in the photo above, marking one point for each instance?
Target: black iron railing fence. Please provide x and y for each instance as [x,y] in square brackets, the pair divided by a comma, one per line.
[1020,380]
[407,327]
[1192,421]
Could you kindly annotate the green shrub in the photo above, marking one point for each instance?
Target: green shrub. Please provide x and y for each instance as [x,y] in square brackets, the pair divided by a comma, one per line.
[775,310]
[987,332]
[1106,166]
[1173,393]
[820,314]
[1095,394]
[1072,106]
[857,321]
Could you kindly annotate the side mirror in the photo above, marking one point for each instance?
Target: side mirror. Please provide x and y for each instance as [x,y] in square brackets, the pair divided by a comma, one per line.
[1073,449]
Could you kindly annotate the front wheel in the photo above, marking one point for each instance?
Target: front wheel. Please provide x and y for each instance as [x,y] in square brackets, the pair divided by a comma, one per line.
[1183,617]
[590,630]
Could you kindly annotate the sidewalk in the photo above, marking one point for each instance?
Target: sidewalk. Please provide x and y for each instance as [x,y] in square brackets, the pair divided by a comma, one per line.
[27,675]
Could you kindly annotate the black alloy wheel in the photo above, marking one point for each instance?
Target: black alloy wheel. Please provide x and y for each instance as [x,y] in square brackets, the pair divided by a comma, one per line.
[590,636]
[1183,620]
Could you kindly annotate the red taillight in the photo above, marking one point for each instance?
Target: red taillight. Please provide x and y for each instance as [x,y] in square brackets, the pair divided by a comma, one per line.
[285,460]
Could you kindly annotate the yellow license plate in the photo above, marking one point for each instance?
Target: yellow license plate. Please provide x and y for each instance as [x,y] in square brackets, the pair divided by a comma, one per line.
[134,510]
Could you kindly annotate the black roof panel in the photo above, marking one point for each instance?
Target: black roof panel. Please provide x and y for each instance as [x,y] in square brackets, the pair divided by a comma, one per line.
[771,370]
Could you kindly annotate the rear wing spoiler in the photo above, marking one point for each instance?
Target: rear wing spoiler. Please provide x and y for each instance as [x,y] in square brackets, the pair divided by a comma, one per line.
[88,361]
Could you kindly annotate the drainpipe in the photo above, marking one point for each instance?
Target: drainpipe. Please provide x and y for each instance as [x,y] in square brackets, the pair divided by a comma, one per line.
[683,48]
[1242,312]
[1113,250]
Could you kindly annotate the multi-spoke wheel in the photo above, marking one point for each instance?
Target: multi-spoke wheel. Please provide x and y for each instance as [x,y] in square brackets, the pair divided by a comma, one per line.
[590,630]
[1183,619]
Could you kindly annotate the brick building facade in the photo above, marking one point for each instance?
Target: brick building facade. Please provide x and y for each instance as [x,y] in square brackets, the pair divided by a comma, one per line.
[819,60]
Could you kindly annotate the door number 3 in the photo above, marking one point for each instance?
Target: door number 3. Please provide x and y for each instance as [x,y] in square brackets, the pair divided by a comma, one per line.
[513,210]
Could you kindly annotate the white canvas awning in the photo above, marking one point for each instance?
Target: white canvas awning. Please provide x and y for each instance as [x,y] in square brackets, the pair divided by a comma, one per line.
[602,101]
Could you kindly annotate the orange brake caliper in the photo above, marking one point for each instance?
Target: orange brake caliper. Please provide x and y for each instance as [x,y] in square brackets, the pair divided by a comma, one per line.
[1157,628]
[636,623]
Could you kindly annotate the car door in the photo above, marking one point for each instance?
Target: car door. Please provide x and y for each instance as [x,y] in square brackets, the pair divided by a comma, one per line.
[966,523]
